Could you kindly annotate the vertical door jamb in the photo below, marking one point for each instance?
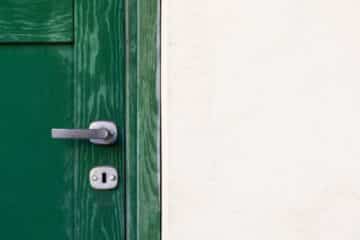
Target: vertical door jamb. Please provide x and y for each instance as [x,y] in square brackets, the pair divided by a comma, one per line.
[143,120]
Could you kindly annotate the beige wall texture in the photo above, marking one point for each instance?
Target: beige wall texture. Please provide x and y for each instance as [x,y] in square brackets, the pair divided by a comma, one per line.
[261,119]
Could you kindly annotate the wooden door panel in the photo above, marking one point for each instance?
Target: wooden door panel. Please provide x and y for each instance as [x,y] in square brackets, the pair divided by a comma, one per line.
[36,174]
[55,75]
[36,20]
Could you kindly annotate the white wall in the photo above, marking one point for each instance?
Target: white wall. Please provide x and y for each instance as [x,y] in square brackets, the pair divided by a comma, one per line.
[261,119]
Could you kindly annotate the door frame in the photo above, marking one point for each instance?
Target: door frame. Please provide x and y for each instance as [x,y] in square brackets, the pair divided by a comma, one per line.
[143,167]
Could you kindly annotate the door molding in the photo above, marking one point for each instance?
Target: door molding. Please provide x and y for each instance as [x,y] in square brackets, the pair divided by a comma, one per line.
[143,185]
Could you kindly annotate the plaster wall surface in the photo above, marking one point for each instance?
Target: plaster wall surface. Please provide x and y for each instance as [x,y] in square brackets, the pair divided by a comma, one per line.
[261,119]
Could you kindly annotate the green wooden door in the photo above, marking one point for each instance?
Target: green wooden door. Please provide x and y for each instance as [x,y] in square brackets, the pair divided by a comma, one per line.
[62,65]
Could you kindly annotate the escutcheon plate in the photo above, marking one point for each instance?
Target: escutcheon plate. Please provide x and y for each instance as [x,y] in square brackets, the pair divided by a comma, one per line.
[103,178]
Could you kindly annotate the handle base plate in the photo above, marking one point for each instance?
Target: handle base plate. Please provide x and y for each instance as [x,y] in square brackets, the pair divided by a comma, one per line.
[110,127]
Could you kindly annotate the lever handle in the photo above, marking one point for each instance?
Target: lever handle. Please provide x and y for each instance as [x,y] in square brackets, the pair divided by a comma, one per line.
[59,133]
[99,132]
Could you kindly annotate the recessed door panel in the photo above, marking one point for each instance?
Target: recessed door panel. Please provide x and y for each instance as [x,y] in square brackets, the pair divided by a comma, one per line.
[36,174]
[36,20]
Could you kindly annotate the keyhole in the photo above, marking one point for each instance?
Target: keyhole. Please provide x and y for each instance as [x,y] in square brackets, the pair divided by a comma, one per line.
[103,178]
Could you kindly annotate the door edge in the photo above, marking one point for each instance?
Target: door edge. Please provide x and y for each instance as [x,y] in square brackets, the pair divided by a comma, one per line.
[143,148]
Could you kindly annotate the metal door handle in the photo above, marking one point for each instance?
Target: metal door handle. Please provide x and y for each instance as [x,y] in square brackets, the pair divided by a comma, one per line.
[99,132]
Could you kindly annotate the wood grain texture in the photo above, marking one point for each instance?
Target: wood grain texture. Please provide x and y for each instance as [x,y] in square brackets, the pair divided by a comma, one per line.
[36,21]
[143,120]
[99,95]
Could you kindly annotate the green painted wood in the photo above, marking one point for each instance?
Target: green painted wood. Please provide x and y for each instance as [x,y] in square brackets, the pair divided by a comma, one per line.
[108,74]
[36,20]
[143,120]
[99,79]
[36,199]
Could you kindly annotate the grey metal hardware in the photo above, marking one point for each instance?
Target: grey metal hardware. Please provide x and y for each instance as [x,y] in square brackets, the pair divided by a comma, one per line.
[99,132]
[103,178]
